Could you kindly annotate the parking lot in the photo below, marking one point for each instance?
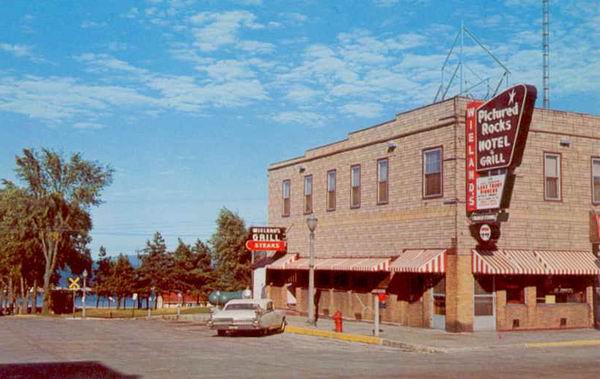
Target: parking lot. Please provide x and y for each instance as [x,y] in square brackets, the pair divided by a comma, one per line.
[161,349]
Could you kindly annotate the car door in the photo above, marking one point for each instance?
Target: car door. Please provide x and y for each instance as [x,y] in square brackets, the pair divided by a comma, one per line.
[270,316]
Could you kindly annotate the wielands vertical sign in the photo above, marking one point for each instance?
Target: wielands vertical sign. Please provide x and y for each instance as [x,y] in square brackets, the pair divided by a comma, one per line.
[496,135]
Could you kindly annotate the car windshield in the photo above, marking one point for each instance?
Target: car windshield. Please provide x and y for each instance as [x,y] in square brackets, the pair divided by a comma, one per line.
[249,306]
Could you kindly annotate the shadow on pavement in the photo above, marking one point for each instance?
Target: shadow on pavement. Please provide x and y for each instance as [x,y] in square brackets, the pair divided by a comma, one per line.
[62,370]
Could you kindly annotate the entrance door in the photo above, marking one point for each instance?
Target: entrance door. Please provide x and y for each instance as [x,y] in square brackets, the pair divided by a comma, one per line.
[438,316]
[484,305]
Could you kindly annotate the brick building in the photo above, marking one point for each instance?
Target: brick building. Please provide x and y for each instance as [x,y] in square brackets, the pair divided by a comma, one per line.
[390,200]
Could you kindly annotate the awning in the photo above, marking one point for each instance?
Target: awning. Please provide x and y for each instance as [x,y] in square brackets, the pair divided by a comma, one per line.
[341,264]
[569,262]
[421,260]
[529,262]
[283,262]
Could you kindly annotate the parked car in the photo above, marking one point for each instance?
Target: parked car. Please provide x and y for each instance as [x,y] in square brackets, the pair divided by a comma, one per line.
[247,315]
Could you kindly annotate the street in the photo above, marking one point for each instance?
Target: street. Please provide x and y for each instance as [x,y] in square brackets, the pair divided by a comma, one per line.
[160,349]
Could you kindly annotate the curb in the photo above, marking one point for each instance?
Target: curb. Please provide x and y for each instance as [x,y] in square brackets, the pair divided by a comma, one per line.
[573,343]
[334,335]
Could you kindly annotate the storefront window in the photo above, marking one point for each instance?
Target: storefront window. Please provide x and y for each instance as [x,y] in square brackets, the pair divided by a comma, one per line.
[484,296]
[557,290]
[439,297]
[415,288]
[322,279]
[360,281]
[515,289]
[340,280]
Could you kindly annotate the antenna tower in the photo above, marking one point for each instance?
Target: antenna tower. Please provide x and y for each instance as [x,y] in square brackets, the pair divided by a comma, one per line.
[546,43]
[455,64]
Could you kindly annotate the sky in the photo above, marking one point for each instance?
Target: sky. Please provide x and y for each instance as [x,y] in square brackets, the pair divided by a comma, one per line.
[190,100]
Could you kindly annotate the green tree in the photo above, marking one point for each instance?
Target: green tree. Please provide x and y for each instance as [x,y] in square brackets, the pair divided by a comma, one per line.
[59,196]
[233,271]
[155,271]
[192,271]
[103,275]
[122,279]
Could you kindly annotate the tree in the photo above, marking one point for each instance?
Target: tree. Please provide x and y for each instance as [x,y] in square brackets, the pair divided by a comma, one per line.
[156,266]
[59,196]
[122,279]
[192,271]
[233,269]
[103,275]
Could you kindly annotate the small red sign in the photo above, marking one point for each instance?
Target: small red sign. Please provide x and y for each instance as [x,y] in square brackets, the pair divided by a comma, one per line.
[253,245]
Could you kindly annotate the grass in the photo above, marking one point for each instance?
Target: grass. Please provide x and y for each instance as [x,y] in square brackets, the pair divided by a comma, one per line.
[131,313]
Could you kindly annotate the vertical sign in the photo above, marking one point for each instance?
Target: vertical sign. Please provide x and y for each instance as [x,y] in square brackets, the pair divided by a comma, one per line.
[471,156]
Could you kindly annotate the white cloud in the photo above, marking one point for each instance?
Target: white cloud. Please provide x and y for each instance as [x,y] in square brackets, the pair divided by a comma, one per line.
[20,51]
[213,30]
[87,24]
[88,125]
[305,118]
[366,110]
[301,94]
[255,47]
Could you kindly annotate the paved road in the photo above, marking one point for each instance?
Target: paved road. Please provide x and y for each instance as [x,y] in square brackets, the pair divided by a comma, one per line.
[161,349]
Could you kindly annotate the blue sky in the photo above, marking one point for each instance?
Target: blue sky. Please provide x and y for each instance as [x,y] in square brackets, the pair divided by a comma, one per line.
[190,100]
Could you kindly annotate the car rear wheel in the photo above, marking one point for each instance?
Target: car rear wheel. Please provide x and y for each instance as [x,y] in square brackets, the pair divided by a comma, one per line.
[221,333]
[282,327]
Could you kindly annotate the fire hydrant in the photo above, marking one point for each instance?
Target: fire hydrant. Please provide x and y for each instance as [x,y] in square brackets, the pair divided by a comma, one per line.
[337,317]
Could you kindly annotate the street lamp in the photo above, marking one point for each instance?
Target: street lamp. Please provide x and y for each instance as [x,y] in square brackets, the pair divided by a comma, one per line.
[85,275]
[311,222]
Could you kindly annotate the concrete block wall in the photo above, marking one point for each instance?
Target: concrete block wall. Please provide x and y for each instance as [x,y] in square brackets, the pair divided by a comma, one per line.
[407,221]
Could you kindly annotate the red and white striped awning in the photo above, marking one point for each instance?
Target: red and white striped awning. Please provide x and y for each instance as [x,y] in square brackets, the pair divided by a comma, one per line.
[423,260]
[569,262]
[283,262]
[342,264]
[528,262]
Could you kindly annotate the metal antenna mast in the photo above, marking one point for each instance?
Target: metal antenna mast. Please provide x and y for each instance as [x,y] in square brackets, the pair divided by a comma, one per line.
[546,43]
[455,63]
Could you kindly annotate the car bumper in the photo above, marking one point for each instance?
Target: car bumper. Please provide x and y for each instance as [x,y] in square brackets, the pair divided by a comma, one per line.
[235,326]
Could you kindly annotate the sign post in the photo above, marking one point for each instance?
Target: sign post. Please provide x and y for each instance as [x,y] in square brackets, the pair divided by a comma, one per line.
[74,286]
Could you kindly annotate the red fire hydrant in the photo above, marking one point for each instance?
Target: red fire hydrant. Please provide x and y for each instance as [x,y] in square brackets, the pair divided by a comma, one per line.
[337,317]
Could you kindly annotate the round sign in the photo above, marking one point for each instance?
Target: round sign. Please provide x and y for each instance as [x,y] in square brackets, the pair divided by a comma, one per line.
[485,232]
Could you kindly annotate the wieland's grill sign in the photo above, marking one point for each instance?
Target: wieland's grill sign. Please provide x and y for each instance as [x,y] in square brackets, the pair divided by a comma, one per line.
[266,238]
[502,127]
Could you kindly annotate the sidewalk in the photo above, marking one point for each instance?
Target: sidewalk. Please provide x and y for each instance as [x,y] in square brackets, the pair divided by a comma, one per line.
[431,340]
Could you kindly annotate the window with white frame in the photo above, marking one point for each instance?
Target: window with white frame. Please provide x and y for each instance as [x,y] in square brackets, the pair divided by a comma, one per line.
[331,184]
[355,186]
[382,181]
[308,191]
[432,172]
[552,190]
[285,194]
[596,180]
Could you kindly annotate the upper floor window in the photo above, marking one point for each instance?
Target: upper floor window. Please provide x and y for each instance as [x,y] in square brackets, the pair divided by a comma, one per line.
[596,180]
[432,172]
[331,189]
[382,181]
[552,190]
[308,191]
[285,194]
[355,186]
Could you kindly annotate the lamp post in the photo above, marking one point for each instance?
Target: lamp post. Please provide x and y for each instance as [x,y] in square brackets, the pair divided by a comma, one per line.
[85,275]
[311,222]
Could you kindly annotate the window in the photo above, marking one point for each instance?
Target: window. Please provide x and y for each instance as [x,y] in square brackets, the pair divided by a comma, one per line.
[432,172]
[484,296]
[382,181]
[596,180]
[331,190]
[567,289]
[552,190]
[308,190]
[355,183]
[285,192]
